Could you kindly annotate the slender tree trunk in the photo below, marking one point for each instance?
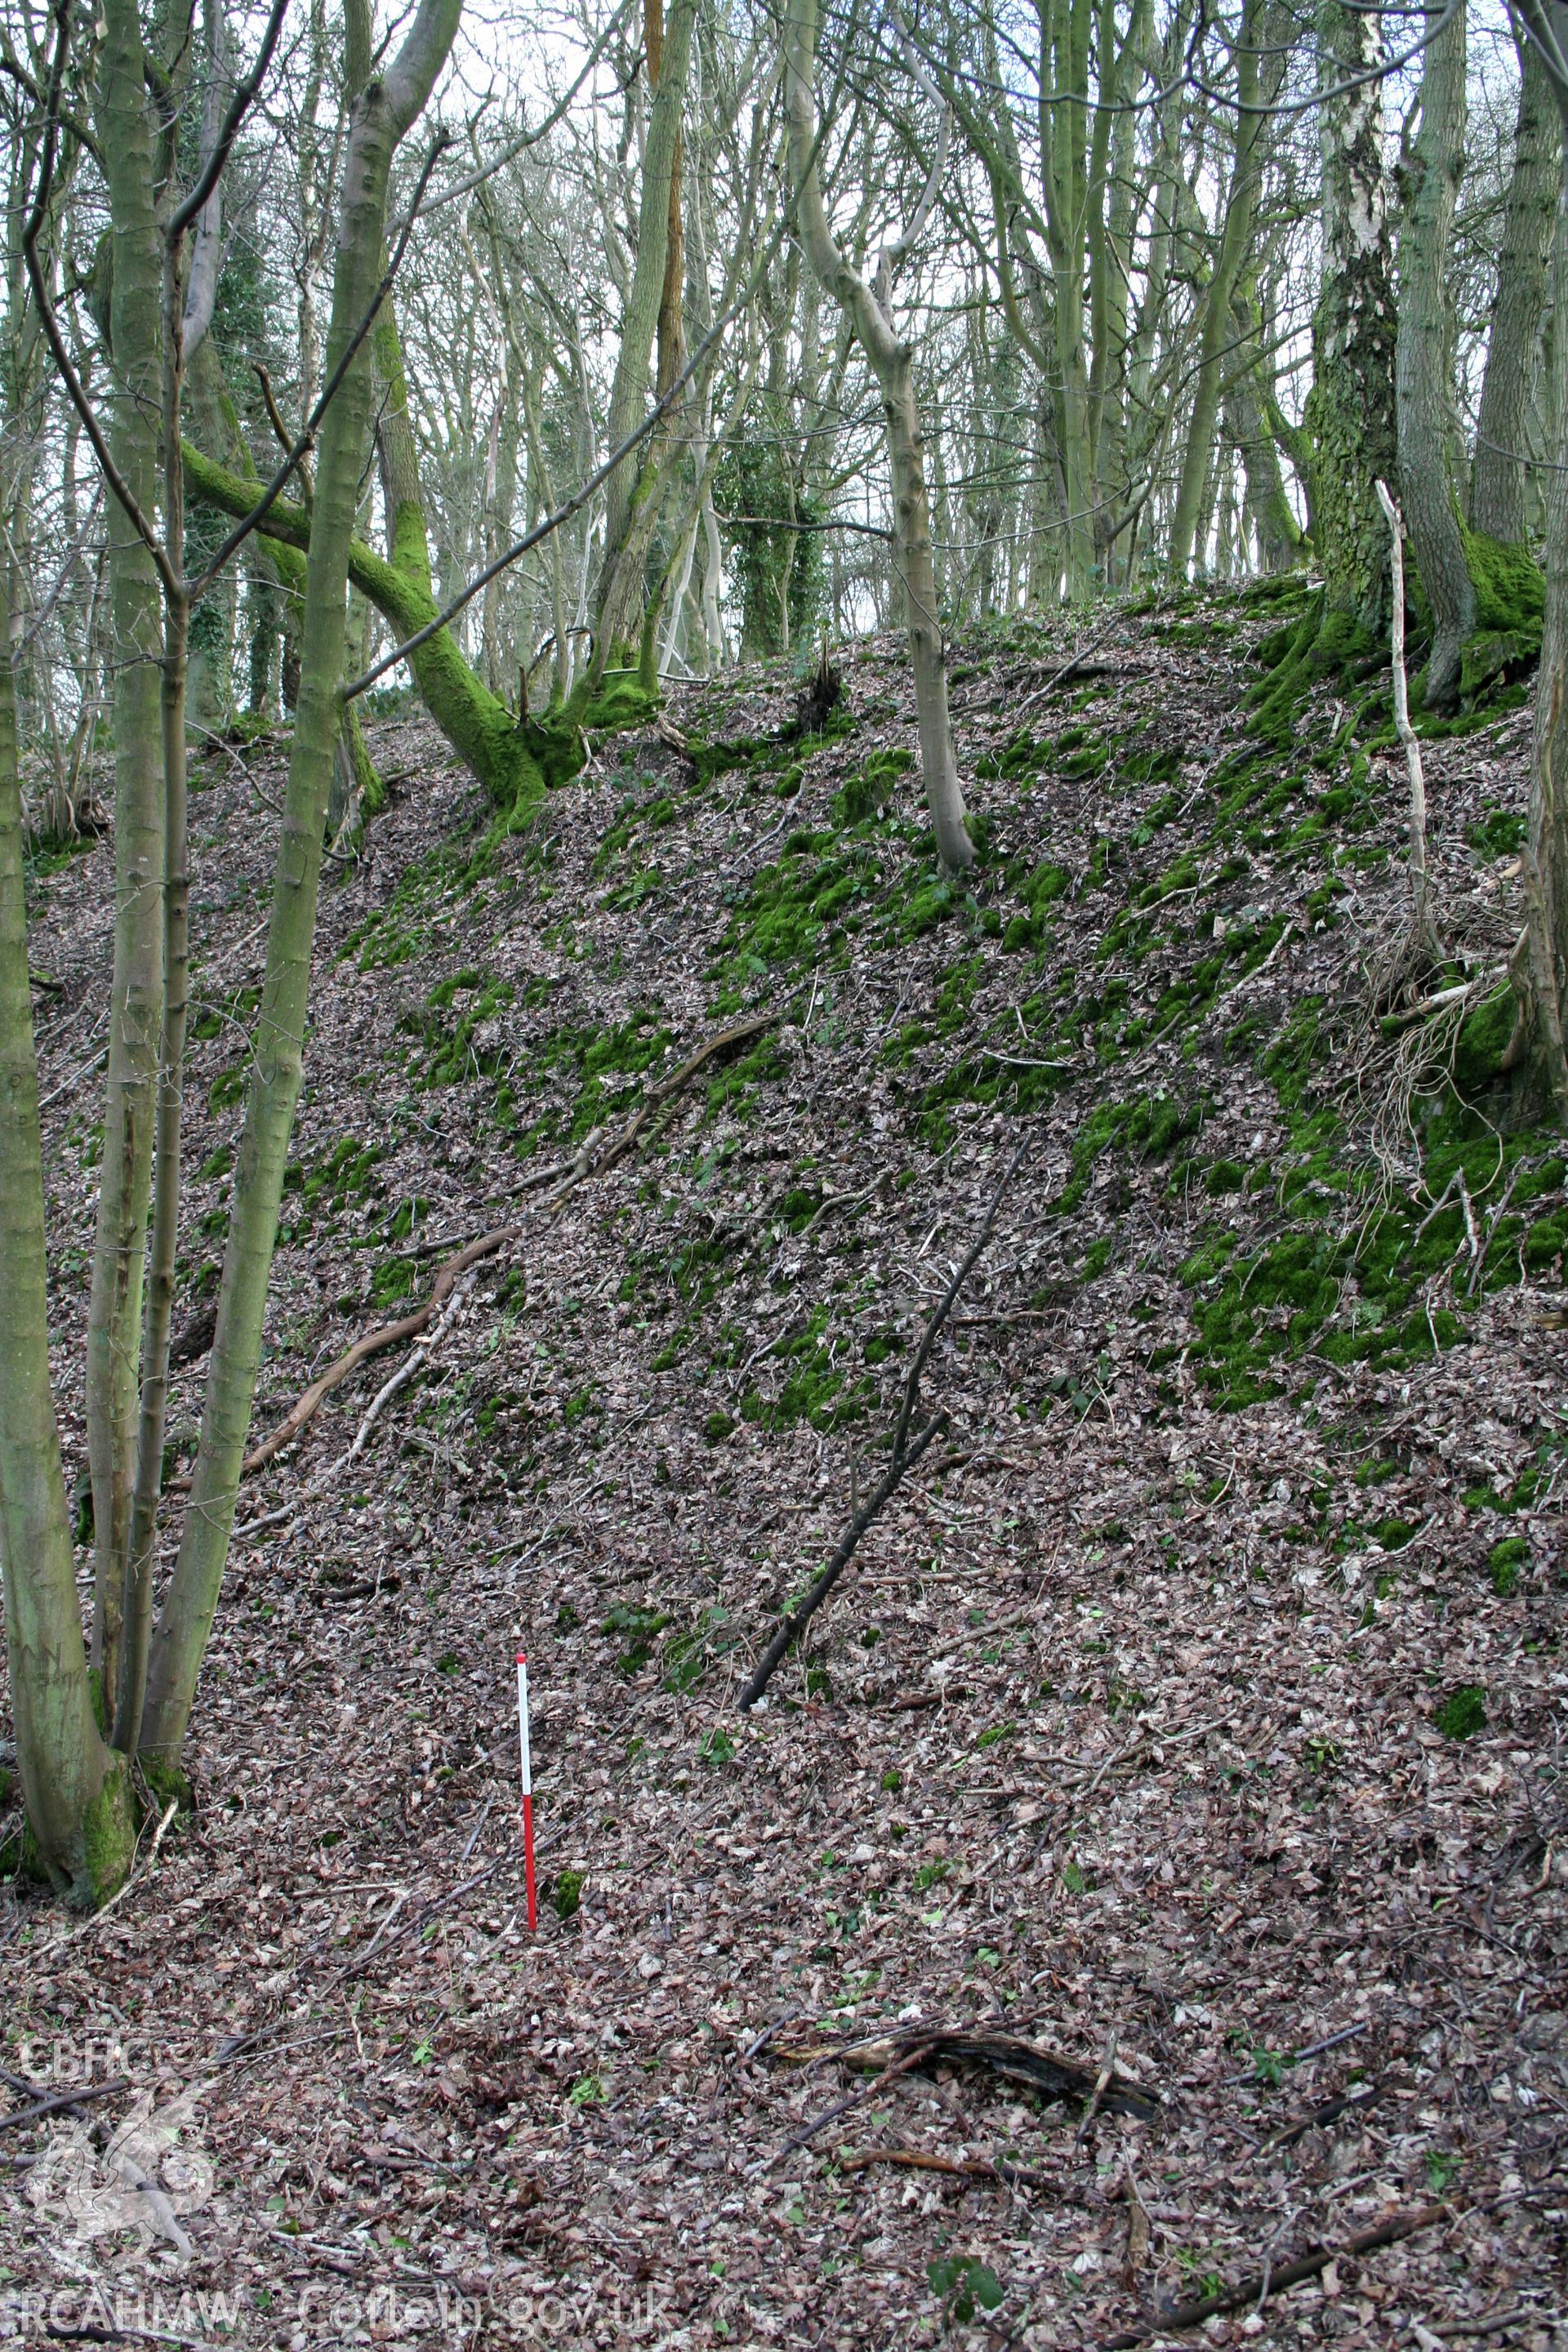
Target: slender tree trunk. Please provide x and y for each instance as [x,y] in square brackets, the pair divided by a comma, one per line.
[384,112]
[136,1002]
[646,303]
[76,1793]
[1433,161]
[1215,332]
[891,360]
[1513,349]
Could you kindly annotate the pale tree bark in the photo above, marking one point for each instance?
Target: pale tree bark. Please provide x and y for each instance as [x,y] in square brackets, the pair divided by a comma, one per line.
[384,113]
[1433,163]
[1351,408]
[1215,332]
[629,492]
[1513,346]
[891,360]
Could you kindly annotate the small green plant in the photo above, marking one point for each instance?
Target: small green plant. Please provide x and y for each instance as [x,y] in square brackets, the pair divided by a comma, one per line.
[587,2091]
[567,1895]
[962,2283]
[1442,2166]
[928,1873]
[1463,1713]
[893,1782]
[717,1749]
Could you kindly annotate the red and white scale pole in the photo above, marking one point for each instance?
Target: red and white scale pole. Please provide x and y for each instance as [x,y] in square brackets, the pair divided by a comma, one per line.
[527,1788]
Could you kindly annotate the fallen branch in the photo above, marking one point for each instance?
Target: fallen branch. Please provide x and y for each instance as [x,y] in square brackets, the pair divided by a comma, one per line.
[1423,934]
[906,1452]
[673,1086]
[54,2102]
[1068,669]
[1008,2054]
[1264,2284]
[920,2159]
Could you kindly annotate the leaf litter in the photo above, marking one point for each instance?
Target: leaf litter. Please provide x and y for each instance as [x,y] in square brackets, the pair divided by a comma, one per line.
[1197,1731]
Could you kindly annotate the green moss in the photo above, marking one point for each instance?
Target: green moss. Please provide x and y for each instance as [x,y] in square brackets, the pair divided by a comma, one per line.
[1463,1713]
[1498,832]
[109,1839]
[566,1894]
[1483,1040]
[1505,1561]
[863,793]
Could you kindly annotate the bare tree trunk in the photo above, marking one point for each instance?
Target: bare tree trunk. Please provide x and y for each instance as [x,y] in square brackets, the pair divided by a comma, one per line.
[891,360]
[136,1002]
[385,110]
[1350,409]
[647,304]
[1433,161]
[76,1793]
[1216,332]
[1513,349]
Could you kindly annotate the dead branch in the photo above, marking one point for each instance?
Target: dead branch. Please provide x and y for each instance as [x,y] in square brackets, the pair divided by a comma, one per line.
[1008,2054]
[1264,2284]
[906,1452]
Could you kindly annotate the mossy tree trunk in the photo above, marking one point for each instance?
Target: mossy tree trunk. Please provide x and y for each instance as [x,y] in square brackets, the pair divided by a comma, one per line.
[1544,1039]
[382,113]
[75,1789]
[630,490]
[1351,408]
[136,1000]
[891,360]
[502,751]
[1513,346]
[1432,163]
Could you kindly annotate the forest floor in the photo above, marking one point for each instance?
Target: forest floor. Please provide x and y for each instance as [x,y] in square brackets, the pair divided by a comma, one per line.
[1195,1710]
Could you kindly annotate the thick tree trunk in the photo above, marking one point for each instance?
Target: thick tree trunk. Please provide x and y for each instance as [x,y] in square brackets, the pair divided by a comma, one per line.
[1513,349]
[1351,408]
[1434,160]
[384,112]
[891,360]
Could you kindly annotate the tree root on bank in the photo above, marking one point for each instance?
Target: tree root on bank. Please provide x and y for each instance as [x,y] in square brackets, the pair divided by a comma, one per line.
[593,1160]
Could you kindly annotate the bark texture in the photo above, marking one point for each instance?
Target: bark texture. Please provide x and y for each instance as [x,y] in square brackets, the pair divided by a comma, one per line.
[891,360]
[382,113]
[1513,347]
[1434,162]
[1351,408]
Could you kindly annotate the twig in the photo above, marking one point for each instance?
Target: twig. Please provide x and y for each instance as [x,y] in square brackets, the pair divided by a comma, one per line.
[1420,902]
[1061,676]
[903,2065]
[1102,2085]
[53,2103]
[1273,2282]
[1259,969]
[415,1919]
